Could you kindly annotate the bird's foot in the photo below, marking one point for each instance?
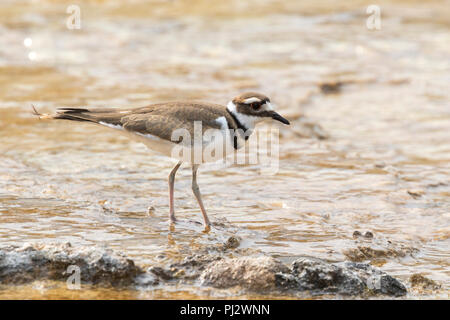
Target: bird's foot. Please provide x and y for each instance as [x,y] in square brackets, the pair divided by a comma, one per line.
[207,227]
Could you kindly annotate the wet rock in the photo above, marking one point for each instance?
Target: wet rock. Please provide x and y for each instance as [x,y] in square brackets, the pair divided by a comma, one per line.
[356,234]
[321,278]
[331,87]
[190,268]
[232,243]
[37,261]
[419,281]
[252,273]
[416,194]
[265,274]
[161,273]
[151,210]
[334,86]
[377,281]
[196,262]
[368,235]
[347,278]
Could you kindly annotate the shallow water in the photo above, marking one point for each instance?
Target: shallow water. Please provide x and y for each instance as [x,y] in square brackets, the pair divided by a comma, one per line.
[388,127]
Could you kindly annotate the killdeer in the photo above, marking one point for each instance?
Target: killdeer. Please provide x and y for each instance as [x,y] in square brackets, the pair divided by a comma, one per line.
[155,125]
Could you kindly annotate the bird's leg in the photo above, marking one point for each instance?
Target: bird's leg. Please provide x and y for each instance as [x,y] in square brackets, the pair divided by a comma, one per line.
[171,183]
[197,194]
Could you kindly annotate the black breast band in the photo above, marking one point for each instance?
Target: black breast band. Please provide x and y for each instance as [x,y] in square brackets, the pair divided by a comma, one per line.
[239,126]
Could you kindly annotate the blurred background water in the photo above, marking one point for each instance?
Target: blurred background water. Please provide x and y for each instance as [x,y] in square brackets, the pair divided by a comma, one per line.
[368,148]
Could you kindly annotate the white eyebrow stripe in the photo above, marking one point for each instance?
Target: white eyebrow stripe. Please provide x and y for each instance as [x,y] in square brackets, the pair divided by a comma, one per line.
[251,100]
[269,106]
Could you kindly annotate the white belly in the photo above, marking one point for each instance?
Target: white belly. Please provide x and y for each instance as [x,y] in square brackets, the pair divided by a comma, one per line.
[207,150]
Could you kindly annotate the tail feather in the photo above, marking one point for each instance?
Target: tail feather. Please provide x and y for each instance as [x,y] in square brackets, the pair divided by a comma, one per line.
[41,115]
[75,114]
[81,114]
[74,110]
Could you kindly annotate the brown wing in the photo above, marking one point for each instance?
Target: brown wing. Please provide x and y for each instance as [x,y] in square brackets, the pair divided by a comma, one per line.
[159,120]
[167,121]
[157,125]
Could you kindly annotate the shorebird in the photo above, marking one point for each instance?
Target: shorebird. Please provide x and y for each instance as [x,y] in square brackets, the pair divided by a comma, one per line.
[155,126]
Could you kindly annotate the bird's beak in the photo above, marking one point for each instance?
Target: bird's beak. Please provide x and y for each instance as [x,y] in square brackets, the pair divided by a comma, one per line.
[276,116]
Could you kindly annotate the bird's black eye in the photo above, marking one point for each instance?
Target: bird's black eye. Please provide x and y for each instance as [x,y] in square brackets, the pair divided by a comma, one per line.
[255,105]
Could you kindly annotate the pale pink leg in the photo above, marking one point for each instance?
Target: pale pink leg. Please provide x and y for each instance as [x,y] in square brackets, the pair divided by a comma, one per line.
[197,194]
[171,184]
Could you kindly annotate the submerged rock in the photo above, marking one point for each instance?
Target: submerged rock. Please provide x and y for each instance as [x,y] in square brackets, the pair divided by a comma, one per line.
[362,253]
[368,247]
[38,261]
[421,282]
